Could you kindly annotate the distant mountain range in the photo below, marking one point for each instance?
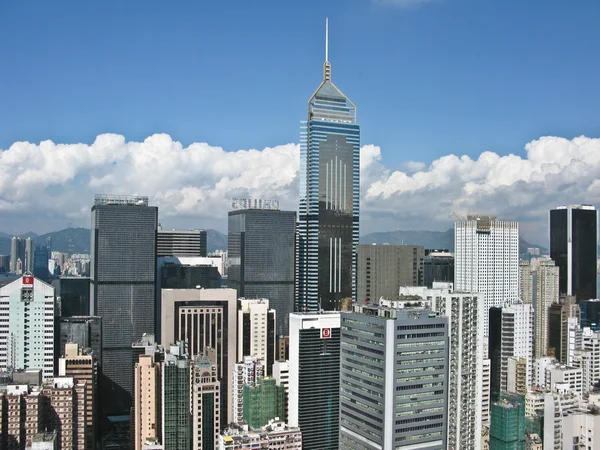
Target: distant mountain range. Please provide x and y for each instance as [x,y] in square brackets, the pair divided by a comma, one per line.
[77,240]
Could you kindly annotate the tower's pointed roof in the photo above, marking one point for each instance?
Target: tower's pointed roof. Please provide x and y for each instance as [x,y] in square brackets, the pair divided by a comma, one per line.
[328,102]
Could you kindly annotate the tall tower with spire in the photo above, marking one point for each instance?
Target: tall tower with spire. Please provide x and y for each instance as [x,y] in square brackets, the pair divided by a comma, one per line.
[329,198]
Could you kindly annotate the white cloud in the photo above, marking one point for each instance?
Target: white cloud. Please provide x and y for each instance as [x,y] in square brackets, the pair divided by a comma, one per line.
[43,187]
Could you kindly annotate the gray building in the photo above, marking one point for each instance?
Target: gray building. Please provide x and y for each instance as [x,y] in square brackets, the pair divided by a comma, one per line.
[17,253]
[123,277]
[438,266]
[261,246]
[394,377]
[383,269]
[85,331]
[180,243]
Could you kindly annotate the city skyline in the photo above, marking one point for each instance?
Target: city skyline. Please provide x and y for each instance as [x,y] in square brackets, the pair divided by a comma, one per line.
[523,169]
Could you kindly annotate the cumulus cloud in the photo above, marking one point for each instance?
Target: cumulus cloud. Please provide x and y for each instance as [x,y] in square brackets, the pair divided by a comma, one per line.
[45,186]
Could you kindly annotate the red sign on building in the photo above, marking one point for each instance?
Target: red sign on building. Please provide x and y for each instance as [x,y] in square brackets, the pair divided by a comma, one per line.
[325,333]
[28,281]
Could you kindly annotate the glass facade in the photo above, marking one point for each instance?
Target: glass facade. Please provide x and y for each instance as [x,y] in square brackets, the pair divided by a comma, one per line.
[438,266]
[123,276]
[261,255]
[574,248]
[590,314]
[328,226]
[176,404]
[74,293]
[319,388]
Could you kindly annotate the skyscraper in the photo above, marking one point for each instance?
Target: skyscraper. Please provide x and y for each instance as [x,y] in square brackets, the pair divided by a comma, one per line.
[394,377]
[146,400]
[27,325]
[176,417]
[329,199]
[383,269]
[261,254]
[314,389]
[17,253]
[589,312]
[486,260]
[438,265]
[206,419]
[180,242]
[546,293]
[29,255]
[123,275]
[256,331]
[574,248]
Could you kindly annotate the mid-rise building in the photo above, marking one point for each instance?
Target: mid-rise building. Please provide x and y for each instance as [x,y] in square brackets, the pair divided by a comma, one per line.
[83,367]
[571,376]
[206,412]
[261,242]
[175,400]
[526,277]
[511,334]
[507,428]
[64,404]
[574,248]
[206,320]
[329,178]
[249,370]
[314,390]
[180,242]
[591,343]
[394,376]
[256,331]
[27,314]
[516,376]
[146,400]
[438,266]
[123,277]
[486,255]
[383,269]
[559,403]
[85,331]
[264,401]
[276,435]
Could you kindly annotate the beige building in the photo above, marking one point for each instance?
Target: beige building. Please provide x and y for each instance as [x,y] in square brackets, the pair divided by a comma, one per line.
[517,375]
[146,402]
[207,320]
[66,398]
[526,274]
[546,294]
[83,367]
[383,269]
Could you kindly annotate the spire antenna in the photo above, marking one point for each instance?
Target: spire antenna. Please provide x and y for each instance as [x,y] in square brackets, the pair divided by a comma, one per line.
[326,39]
[327,65]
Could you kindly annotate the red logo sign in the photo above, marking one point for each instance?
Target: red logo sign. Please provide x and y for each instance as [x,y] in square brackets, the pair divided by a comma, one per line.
[325,333]
[27,281]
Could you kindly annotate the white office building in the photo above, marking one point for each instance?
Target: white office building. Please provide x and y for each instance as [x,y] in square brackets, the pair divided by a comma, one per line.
[27,310]
[486,260]
[257,331]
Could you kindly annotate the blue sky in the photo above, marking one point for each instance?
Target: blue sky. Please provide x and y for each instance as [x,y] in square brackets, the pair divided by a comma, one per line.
[431,79]
[446,76]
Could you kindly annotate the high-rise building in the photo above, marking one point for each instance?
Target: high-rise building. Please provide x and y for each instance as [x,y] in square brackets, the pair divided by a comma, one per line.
[591,343]
[206,418]
[574,248]
[559,403]
[83,367]
[546,293]
[146,403]
[383,269]
[256,331]
[4,263]
[394,376]
[65,411]
[438,266]
[263,401]
[123,275]
[180,243]
[328,227]
[206,320]
[589,313]
[27,314]
[17,253]
[40,262]
[175,401]
[29,255]
[511,334]
[314,390]
[561,317]
[486,260]
[261,244]
[249,370]
[507,429]
[526,277]
[85,331]
[74,294]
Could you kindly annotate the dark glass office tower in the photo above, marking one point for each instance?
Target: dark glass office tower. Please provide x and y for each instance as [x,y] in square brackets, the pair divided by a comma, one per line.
[40,262]
[181,243]
[574,248]
[261,253]
[329,199]
[74,293]
[438,265]
[123,276]
[590,314]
